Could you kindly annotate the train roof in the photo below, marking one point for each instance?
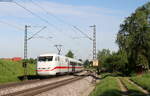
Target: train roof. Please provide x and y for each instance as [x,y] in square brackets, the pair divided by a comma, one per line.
[74,60]
[54,54]
[48,54]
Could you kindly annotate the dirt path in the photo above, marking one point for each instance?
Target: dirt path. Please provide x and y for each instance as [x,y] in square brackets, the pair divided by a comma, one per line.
[139,87]
[122,87]
[87,91]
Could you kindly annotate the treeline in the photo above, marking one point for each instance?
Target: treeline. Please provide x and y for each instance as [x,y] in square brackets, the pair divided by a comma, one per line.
[112,61]
[30,61]
[133,40]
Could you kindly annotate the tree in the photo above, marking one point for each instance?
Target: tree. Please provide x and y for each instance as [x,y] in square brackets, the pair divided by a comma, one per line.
[70,54]
[86,63]
[30,61]
[116,62]
[102,56]
[112,61]
[134,39]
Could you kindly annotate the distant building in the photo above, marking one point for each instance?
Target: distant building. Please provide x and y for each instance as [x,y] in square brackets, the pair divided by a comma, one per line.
[13,59]
[16,59]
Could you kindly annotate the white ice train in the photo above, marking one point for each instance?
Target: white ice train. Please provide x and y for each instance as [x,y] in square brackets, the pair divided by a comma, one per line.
[53,64]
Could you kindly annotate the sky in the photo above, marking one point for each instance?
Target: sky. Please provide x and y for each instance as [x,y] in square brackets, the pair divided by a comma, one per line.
[59,17]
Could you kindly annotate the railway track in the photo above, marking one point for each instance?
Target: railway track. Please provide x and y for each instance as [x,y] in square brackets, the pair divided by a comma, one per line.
[19,86]
[29,82]
[17,83]
[43,88]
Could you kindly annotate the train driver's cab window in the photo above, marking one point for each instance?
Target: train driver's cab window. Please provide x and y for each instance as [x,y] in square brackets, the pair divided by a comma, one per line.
[45,58]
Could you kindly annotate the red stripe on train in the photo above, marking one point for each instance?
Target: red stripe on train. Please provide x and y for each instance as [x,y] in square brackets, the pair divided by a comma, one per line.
[59,67]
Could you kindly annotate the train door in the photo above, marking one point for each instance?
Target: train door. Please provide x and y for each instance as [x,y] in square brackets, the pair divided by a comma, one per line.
[59,64]
[73,66]
[67,61]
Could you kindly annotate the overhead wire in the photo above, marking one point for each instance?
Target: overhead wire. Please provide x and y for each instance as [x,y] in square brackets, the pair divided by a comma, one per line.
[34,14]
[45,20]
[60,20]
[22,29]
[49,13]
[82,33]
[73,27]
[36,33]
[12,25]
[18,28]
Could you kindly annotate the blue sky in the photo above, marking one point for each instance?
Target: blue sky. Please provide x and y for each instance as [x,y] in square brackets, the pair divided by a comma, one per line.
[106,14]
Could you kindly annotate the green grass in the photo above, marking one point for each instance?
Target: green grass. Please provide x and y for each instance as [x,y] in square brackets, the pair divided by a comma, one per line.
[103,75]
[143,80]
[132,89]
[107,87]
[10,71]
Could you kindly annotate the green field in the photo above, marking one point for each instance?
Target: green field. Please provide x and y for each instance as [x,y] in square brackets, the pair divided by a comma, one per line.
[10,71]
[107,87]
[143,80]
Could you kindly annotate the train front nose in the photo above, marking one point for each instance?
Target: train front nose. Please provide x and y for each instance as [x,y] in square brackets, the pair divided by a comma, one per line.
[44,72]
[45,69]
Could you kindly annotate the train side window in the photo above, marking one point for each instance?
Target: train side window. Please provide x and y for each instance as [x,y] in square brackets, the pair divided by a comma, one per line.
[71,63]
[75,64]
[57,59]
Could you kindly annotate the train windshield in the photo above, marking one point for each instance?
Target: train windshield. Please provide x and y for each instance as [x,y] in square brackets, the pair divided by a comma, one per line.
[45,58]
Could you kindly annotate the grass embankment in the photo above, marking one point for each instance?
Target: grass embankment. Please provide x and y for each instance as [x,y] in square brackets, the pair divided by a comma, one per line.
[10,71]
[132,89]
[108,86]
[142,80]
